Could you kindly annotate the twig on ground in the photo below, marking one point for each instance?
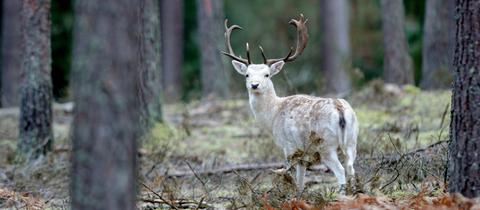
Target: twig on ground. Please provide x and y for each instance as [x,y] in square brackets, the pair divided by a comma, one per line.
[245,181]
[150,170]
[392,180]
[200,203]
[198,177]
[444,114]
[160,197]
[393,144]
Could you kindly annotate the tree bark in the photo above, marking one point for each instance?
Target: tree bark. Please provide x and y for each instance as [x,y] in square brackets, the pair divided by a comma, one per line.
[105,83]
[35,130]
[11,53]
[398,66]
[335,45]
[464,148]
[150,85]
[210,27]
[438,44]
[172,48]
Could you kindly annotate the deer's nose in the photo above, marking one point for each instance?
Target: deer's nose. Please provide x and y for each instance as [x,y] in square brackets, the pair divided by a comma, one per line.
[254,86]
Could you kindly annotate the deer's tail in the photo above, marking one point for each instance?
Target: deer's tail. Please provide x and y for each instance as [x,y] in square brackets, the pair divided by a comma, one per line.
[342,124]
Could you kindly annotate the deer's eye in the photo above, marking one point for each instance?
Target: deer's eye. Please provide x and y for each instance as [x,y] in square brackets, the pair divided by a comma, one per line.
[246,75]
[266,75]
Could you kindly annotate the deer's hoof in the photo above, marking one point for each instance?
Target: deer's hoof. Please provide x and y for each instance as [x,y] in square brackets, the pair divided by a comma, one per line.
[280,171]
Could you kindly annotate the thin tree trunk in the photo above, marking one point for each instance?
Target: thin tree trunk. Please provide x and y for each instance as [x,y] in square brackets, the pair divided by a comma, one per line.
[150,85]
[172,48]
[210,23]
[438,44]
[105,81]
[335,45]
[35,130]
[397,66]
[11,52]
[464,148]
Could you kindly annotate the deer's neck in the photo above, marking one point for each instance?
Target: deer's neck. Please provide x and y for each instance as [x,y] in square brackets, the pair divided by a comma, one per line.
[264,107]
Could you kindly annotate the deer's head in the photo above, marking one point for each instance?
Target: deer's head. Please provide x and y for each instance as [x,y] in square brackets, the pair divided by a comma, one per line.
[258,76]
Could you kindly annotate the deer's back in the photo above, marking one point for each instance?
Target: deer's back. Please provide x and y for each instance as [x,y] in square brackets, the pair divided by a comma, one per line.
[300,118]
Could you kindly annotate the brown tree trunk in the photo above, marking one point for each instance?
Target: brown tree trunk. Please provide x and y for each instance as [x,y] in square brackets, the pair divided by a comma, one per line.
[438,44]
[11,60]
[35,130]
[105,82]
[210,27]
[464,148]
[335,45]
[397,66]
[172,48]
[150,86]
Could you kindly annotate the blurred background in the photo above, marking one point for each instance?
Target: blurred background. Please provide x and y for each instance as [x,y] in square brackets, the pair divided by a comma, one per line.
[341,61]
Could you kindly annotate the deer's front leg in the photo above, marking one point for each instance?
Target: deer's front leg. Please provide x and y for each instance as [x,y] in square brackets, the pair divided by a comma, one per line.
[301,169]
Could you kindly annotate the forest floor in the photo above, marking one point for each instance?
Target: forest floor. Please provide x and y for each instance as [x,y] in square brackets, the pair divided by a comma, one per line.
[212,154]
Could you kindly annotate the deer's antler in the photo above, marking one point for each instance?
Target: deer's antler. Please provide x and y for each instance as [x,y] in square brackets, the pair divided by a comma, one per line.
[230,53]
[302,38]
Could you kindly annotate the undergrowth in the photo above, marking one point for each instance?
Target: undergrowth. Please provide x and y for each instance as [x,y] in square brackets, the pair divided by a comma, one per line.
[395,167]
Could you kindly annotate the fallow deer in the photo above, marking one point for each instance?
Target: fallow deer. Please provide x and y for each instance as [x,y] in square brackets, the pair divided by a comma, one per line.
[308,129]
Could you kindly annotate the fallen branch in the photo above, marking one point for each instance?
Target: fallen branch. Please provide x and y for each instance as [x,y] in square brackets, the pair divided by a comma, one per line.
[230,169]
[180,203]
[264,166]
[396,158]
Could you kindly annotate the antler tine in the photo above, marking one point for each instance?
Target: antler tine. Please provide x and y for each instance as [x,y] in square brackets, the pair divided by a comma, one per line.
[230,53]
[248,53]
[302,38]
[263,55]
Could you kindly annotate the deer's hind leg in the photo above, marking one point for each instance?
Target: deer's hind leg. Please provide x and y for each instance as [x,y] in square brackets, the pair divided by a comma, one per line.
[351,146]
[330,159]
[350,153]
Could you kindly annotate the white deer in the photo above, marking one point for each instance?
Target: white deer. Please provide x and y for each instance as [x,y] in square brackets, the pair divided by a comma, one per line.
[308,129]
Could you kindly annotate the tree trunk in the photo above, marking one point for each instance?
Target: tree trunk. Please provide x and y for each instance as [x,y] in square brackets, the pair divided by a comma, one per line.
[105,83]
[150,85]
[172,48]
[11,61]
[438,44]
[335,45]
[464,148]
[35,130]
[397,66]
[210,26]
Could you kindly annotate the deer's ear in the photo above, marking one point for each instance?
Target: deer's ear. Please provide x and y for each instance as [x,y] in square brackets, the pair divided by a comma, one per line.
[240,67]
[276,67]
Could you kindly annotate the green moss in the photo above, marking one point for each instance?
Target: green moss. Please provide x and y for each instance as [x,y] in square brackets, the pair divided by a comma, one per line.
[416,118]
[398,193]
[371,118]
[411,89]
[161,135]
